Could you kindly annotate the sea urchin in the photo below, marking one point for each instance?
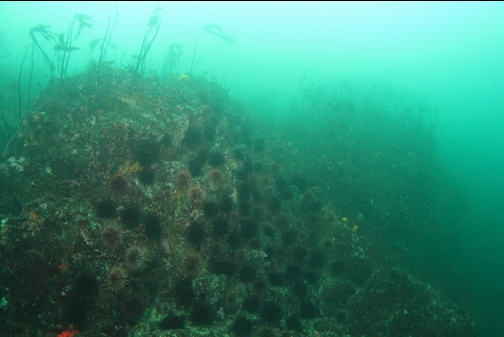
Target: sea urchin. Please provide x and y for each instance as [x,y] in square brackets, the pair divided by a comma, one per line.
[111,237]
[117,280]
[136,258]
[119,184]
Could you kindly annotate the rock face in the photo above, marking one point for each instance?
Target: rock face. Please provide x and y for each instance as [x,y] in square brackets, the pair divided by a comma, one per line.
[135,206]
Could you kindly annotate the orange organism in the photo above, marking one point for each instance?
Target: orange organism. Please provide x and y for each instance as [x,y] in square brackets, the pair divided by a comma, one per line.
[69,332]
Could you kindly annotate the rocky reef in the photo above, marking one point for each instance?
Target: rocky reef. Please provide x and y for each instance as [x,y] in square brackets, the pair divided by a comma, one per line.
[139,206]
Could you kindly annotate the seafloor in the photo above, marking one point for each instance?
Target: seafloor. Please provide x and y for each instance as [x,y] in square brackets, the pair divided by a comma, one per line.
[133,206]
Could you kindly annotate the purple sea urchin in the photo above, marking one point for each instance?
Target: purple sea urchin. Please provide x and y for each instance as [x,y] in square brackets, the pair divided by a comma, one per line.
[191,265]
[105,209]
[216,176]
[183,180]
[136,258]
[118,184]
[111,237]
[197,195]
[117,279]
[130,216]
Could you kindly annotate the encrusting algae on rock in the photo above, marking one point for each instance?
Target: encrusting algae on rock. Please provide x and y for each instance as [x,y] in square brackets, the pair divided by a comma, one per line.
[129,167]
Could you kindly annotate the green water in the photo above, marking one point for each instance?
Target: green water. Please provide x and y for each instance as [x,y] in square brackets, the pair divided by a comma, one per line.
[432,66]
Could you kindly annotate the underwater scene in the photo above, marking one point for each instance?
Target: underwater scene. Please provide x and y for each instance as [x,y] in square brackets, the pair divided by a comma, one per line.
[251,169]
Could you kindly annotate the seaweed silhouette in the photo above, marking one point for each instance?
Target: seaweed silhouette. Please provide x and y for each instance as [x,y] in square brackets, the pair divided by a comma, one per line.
[216,30]
[104,42]
[148,39]
[45,32]
[38,30]
[172,57]
[213,29]
[64,42]
[8,130]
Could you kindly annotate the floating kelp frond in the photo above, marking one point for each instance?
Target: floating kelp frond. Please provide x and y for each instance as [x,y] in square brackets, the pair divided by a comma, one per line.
[93,45]
[153,21]
[60,47]
[175,49]
[84,21]
[62,44]
[172,56]
[44,31]
[155,18]
[46,34]
[216,30]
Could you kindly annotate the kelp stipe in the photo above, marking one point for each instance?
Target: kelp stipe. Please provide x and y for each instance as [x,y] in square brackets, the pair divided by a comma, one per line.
[150,35]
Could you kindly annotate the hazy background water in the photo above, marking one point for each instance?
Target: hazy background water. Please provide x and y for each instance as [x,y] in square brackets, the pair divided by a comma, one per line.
[448,54]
